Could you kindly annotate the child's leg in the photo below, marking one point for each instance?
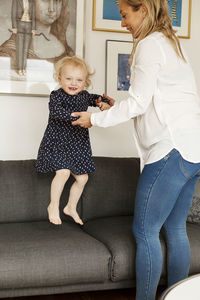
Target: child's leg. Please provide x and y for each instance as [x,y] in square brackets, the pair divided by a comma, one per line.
[57,186]
[74,196]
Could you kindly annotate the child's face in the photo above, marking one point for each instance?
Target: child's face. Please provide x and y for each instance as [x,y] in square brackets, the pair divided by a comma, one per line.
[72,79]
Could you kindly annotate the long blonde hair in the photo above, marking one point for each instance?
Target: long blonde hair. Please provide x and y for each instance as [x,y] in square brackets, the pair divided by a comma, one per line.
[157,19]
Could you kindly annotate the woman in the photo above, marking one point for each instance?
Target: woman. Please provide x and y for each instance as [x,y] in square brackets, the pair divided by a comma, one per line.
[165,108]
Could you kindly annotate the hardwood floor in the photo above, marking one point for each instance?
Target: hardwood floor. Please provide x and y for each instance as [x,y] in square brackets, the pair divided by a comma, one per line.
[124,294]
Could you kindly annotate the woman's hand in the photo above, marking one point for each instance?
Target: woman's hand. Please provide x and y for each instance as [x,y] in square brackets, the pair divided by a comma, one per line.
[111,100]
[103,105]
[84,119]
[99,102]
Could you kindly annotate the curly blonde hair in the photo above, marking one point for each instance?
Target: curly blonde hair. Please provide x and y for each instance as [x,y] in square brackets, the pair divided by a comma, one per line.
[157,19]
[75,62]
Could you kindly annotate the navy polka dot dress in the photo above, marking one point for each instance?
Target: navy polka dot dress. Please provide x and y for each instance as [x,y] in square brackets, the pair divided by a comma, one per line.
[65,146]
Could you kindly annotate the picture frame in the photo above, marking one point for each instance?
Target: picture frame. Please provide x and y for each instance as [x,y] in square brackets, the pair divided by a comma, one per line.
[38,79]
[111,22]
[106,16]
[183,17]
[117,68]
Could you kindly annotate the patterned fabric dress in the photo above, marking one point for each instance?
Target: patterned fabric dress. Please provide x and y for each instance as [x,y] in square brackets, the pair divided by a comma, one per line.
[65,146]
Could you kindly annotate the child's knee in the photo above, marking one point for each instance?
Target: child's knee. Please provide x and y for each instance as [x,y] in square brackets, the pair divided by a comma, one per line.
[64,173]
[82,179]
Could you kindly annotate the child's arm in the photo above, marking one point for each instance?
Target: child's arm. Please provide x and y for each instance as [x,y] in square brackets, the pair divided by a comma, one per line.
[56,109]
[98,100]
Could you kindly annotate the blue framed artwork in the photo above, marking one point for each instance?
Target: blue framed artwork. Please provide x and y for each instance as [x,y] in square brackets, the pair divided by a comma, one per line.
[117,68]
[110,10]
[123,72]
[175,12]
[106,16]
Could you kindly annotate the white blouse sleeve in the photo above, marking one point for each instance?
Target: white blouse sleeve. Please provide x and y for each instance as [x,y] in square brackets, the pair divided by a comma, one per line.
[149,59]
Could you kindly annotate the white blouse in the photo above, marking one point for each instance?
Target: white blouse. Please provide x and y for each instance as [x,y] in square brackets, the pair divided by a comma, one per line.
[163,103]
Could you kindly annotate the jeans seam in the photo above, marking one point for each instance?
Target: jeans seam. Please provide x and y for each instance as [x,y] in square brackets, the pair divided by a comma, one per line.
[150,189]
[150,269]
[172,152]
[183,169]
[168,243]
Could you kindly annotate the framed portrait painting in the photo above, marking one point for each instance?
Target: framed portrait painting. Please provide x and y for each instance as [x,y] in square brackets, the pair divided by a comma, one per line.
[34,35]
[106,16]
[117,68]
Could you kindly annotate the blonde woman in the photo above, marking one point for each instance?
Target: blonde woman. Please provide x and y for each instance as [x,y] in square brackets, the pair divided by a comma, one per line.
[66,149]
[165,108]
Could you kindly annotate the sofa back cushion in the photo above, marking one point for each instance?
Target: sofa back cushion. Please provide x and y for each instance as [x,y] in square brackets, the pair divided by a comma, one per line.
[111,189]
[24,193]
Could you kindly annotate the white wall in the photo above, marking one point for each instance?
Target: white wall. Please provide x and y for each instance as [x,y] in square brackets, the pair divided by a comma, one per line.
[23,119]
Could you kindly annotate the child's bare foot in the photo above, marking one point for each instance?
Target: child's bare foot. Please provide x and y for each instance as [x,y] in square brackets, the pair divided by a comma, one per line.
[54,216]
[73,214]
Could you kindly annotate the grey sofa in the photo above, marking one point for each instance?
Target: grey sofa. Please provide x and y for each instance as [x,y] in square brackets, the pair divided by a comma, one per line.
[37,257]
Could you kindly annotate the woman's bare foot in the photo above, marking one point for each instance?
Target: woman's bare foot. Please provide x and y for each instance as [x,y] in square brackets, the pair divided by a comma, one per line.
[73,214]
[54,215]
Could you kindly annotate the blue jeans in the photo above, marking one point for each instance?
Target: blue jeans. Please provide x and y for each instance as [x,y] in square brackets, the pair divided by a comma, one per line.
[163,199]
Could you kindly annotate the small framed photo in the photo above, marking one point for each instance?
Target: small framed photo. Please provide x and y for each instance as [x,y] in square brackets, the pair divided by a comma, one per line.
[106,16]
[117,68]
[34,35]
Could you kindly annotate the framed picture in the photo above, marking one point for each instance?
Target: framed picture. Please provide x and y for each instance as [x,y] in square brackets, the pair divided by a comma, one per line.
[180,13]
[117,68]
[106,16]
[47,31]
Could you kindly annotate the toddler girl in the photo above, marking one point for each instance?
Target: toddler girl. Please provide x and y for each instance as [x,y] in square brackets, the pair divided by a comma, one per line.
[64,148]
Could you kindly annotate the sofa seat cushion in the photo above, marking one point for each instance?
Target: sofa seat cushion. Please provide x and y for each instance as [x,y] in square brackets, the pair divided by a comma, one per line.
[116,234]
[193,231]
[39,254]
